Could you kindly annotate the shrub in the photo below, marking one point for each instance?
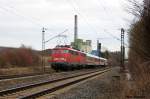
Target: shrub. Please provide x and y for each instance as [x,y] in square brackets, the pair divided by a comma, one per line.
[22,56]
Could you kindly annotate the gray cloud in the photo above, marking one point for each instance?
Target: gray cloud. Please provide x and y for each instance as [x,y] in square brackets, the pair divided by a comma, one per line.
[23,20]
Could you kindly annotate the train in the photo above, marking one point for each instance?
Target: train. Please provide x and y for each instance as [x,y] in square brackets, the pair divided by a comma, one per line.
[67,58]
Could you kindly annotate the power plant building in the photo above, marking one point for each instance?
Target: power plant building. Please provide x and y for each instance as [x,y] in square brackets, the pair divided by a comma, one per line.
[79,44]
[83,46]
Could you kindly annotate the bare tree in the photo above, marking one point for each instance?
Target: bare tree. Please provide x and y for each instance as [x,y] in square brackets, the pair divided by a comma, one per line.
[139,39]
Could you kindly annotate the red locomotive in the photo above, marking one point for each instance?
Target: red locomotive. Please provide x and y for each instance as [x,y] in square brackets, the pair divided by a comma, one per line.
[66,58]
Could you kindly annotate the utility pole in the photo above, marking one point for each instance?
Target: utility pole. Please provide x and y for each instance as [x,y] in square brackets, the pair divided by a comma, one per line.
[122,50]
[43,48]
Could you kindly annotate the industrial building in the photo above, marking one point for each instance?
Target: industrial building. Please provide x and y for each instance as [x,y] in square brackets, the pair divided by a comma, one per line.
[82,45]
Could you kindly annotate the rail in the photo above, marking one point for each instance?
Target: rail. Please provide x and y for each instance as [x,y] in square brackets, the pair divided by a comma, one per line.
[39,93]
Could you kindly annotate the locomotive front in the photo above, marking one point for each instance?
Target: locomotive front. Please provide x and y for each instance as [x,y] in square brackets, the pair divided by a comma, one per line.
[59,58]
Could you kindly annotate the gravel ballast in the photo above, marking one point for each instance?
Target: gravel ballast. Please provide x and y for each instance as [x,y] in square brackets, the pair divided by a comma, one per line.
[107,86]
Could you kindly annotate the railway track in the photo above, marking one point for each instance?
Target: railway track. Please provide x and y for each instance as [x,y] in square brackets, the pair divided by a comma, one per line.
[10,77]
[6,77]
[36,90]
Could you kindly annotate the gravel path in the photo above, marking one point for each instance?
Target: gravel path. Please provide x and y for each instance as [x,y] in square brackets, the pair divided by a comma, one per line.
[103,87]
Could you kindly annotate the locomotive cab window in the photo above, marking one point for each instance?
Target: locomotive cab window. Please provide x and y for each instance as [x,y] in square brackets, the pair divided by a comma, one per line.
[59,51]
[73,52]
[65,51]
[70,51]
[55,51]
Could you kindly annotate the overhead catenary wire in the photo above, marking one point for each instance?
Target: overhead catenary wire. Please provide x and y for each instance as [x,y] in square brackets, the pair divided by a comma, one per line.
[11,9]
[82,16]
[106,12]
[56,35]
[78,11]
[32,20]
[90,24]
[118,39]
[16,13]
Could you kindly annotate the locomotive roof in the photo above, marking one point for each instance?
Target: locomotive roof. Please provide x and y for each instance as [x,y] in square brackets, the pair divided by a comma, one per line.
[68,48]
[90,55]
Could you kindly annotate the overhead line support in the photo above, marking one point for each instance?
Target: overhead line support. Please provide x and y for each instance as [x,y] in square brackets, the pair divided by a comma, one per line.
[43,48]
[122,50]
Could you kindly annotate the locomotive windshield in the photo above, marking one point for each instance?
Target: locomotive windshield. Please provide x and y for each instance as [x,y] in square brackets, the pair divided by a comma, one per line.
[59,51]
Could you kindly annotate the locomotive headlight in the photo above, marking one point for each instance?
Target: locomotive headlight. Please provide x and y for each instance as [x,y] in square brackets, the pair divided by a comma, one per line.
[63,59]
[59,59]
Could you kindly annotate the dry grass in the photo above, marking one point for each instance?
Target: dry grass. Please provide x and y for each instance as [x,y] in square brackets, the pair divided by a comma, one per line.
[16,71]
[23,70]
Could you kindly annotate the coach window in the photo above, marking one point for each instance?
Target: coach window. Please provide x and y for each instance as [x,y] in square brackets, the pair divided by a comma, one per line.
[88,58]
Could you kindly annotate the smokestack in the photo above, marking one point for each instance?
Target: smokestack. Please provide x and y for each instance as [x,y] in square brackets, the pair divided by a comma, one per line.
[75,28]
[99,48]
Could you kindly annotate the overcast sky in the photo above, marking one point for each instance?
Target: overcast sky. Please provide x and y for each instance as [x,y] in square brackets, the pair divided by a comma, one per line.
[21,21]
